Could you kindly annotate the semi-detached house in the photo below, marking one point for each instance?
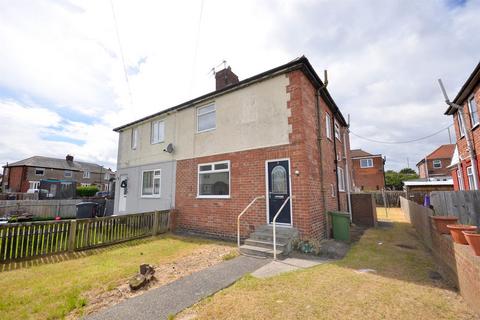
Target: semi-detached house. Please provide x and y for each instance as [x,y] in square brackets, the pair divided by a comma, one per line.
[278,134]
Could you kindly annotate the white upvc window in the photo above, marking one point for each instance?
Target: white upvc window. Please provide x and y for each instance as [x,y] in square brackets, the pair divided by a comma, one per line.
[437,164]
[106,187]
[341,179]
[151,181]
[39,171]
[214,180]
[460,179]
[206,118]
[134,138]
[68,174]
[337,130]
[472,108]
[106,176]
[366,163]
[85,184]
[33,184]
[461,125]
[471,182]
[158,131]
[86,174]
[328,125]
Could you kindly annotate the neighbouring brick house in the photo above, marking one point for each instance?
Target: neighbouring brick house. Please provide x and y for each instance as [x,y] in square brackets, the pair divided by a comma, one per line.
[276,134]
[437,163]
[469,98]
[26,174]
[368,170]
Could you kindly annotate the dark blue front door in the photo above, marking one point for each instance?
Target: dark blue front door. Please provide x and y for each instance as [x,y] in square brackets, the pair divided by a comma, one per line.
[278,190]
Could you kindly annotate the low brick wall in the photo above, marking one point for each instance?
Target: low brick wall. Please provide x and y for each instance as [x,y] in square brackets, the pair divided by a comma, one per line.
[456,262]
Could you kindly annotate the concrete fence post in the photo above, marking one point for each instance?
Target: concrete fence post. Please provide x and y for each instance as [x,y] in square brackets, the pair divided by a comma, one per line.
[72,235]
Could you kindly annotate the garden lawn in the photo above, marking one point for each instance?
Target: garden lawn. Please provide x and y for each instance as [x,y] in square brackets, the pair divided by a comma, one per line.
[51,291]
[400,287]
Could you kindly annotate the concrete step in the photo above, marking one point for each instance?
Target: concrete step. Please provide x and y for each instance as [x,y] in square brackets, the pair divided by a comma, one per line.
[258,251]
[265,236]
[265,244]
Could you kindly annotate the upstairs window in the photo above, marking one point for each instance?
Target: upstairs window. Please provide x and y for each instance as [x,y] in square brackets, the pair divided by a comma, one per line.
[38,172]
[158,131]
[86,174]
[341,179]
[328,125]
[68,174]
[134,138]
[151,183]
[437,164]
[337,131]
[461,125]
[366,163]
[472,107]
[214,180]
[206,118]
[107,176]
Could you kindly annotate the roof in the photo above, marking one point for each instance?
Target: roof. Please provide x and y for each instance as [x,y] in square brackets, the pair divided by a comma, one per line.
[445,151]
[455,158]
[300,63]
[425,182]
[466,89]
[359,153]
[46,162]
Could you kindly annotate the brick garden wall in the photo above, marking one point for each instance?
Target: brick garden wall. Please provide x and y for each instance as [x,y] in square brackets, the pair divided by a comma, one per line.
[457,262]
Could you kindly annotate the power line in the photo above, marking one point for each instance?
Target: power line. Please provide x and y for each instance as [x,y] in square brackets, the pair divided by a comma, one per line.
[121,52]
[402,142]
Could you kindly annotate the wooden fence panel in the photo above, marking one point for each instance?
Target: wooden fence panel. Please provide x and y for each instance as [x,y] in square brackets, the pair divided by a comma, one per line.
[463,204]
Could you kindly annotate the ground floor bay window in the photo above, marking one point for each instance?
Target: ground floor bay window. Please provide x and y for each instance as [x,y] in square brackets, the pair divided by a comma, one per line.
[214,180]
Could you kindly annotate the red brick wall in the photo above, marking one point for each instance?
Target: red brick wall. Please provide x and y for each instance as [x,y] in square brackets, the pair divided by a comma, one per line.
[369,178]
[218,216]
[16,179]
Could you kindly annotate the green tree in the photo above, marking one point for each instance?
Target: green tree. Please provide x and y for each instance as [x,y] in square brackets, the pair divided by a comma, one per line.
[394,180]
[407,171]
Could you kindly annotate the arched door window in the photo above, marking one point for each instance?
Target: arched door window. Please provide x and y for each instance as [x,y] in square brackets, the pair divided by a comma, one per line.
[279,180]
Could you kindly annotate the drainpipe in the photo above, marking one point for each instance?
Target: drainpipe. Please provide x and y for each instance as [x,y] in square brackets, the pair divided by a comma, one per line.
[335,161]
[470,147]
[426,168]
[347,174]
[319,145]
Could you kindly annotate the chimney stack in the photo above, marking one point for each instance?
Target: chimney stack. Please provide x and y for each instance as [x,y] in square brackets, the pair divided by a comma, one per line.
[224,78]
[69,158]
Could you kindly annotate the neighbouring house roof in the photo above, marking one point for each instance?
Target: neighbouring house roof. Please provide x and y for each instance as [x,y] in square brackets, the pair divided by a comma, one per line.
[466,89]
[62,164]
[445,151]
[359,153]
[448,181]
[455,158]
[300,63]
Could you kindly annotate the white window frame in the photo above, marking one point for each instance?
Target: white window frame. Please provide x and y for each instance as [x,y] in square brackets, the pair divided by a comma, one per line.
[341,179]
[473,112]
[337,130]
[86,174]
[134,138]
[85,184]
[328,125]
[471,182]
[40,169]
[213,170]
[158,176]
[461,185]
[370,160]
[461,125]
[34,184]
[106,176]
[208,112]
[70,175]
[438,162]
[160,124]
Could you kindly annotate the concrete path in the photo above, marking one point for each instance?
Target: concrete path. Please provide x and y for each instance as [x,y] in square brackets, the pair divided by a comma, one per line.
[289,264]
[174,297]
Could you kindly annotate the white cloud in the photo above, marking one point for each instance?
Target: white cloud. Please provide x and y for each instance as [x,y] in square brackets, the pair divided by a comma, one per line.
[61,66]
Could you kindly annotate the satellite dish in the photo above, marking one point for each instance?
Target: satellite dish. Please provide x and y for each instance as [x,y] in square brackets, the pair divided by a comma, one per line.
[169,148]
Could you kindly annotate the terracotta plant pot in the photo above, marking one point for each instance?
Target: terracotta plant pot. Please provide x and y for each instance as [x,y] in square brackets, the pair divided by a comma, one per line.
[473,240]
[457,234]
[442,221]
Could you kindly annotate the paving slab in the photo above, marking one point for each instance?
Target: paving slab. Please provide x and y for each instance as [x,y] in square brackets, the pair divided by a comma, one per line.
[289,264]
[172,298]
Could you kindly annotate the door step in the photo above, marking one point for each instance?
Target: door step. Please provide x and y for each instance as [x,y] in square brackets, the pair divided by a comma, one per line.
[258,251]
[260,242]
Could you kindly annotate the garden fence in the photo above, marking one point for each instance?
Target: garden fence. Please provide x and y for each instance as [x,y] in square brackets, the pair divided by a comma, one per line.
[463,204]
[22,241]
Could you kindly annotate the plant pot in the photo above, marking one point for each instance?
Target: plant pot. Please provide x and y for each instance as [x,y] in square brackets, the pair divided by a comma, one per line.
[442,221]
[473,240]
[457,234]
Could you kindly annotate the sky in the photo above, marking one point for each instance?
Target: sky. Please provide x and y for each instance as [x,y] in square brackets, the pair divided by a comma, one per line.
[71,71]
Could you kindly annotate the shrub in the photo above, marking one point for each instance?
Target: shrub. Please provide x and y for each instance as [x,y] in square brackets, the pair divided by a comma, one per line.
[88,191]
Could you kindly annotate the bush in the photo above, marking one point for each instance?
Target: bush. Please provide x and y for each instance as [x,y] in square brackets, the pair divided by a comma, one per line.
[88,191]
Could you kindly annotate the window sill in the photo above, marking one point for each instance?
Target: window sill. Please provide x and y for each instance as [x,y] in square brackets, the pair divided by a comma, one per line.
[150,197]
[475,126]
[213,197]
[158,142]
[207,130]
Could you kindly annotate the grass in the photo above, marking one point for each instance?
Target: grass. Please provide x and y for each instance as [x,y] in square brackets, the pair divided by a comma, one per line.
[399,289]
[51,291]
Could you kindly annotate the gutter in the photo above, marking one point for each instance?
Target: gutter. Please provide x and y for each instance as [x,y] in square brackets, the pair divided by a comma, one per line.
[319,145]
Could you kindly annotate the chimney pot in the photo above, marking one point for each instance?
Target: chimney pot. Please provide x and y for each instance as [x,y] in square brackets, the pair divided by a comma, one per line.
[225,77]
[69,157]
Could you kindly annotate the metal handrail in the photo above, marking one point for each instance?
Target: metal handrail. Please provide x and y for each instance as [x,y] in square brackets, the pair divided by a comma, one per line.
[274,228]
[241,214]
